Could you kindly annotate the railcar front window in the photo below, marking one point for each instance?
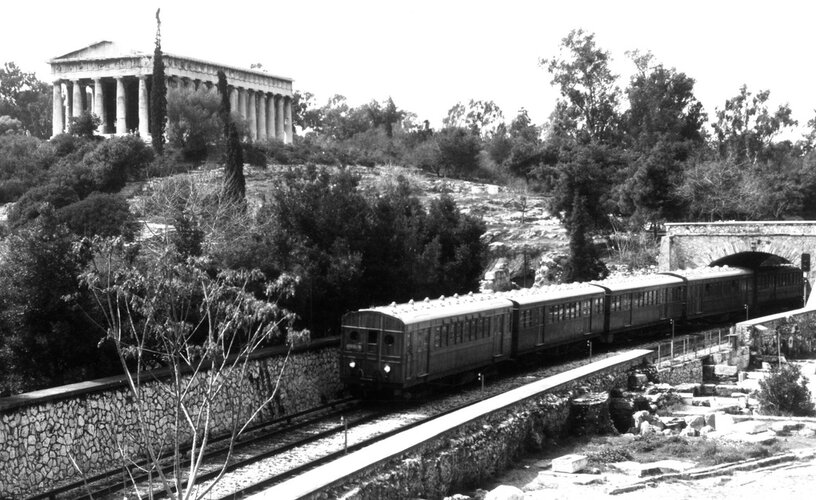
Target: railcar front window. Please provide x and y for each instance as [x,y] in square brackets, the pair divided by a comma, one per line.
[372,341]
[353,341]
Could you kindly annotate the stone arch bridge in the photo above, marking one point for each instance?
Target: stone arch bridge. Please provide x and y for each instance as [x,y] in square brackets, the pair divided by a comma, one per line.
[744,244]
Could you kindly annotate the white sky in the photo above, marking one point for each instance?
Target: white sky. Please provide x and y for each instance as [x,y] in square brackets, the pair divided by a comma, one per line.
[430,54]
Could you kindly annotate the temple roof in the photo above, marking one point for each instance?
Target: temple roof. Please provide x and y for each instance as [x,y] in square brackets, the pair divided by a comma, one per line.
[107,50]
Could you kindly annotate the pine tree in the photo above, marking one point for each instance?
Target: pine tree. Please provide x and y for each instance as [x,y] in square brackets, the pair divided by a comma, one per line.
[158,94]
[583,263]
[234,183]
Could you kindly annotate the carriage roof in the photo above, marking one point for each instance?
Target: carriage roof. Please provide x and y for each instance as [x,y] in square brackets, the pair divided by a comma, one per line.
[430,309]
[526,296]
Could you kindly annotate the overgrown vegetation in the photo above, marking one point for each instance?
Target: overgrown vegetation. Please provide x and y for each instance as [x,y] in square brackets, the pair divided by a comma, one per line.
[601,451]
[784,392]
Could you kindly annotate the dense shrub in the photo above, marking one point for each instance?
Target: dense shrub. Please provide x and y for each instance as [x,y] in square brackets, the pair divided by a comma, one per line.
[785,392]
[458,150]
[12,189]
[117,160]
[24,162]
[193,125]
[254,155]
[76,176]
[34,201]
[170,163]
[84,125]
[99,214]
[46,339]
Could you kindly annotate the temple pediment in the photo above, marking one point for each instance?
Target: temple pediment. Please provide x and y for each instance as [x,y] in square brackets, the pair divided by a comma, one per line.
[100,50]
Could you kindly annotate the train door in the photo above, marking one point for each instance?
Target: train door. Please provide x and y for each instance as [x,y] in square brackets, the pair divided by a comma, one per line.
[627,307]
[409,354]
[421,357]
[498,335]
[541,318]
[663,300]
[586,316]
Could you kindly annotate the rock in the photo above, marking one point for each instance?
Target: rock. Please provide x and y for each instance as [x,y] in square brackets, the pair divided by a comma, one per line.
[695,421]
[750,427]
[569,463]
[723,422]
[505,492]
[725,370]
[692,388]
[807,432]
[705,430]
[647,428]
[785,428]
[637,381]
[689,432]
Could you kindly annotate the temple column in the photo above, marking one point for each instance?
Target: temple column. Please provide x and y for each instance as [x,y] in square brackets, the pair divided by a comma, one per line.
[57,123]
[262,116]
[144,129]
[270,117]
[76,105]
[233,97]
[99,106]
[252,113]
[242,102]
[121,107]
[287,120]
[279,134]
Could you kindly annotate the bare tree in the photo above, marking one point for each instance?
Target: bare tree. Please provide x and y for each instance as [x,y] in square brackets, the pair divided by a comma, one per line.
[202,326]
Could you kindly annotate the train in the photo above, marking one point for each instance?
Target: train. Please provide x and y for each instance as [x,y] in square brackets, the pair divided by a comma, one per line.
[399,347]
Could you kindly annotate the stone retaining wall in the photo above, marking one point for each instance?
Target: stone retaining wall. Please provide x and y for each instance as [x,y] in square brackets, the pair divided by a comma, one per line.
[459,459]
[795,331]
[690,371]
[41,433]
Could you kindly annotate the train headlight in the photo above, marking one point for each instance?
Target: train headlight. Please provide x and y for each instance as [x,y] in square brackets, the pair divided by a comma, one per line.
[387,369]
[352,365]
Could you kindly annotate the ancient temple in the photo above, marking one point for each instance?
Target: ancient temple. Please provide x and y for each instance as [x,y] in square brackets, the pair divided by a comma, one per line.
[114,84]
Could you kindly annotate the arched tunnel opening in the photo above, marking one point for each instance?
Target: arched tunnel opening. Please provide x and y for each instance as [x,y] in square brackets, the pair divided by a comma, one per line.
[752,260]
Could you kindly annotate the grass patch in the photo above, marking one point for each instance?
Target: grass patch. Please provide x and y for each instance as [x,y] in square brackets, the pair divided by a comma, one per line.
[603,450]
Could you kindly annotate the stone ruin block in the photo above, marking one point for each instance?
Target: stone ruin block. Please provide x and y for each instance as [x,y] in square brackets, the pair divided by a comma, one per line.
[751,427]
[725,370]
[569,463]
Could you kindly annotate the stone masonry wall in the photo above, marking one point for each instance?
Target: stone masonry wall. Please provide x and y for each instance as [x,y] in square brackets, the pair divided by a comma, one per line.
[39,440]
[467,455]
[795,331]
[683,373]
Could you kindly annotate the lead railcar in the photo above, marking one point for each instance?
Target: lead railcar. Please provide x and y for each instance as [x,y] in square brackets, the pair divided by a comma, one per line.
[399,346]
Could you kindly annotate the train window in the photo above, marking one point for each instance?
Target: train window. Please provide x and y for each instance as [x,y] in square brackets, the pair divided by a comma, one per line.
[626,302]
[372,340]
[354,336]
[459,333]
[388,340]
[437,337]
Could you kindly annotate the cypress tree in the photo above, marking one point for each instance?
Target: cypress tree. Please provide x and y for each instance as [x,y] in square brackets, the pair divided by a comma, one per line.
[234,183]
[158,94]
[583,263]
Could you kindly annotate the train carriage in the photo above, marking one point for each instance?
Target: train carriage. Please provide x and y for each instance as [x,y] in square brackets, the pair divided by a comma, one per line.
[402,345]
[556,315]
[713,291]
[641,301]
[779,285]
